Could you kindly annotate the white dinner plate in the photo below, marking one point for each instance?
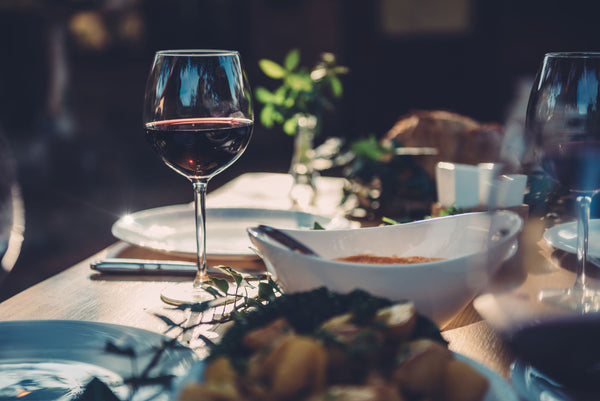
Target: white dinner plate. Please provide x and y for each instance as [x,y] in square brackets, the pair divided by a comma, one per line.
[171,228]
[56,359]
[500,389]
[564,237]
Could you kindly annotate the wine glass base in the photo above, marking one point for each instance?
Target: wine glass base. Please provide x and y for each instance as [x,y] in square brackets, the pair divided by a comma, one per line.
[579,300]
[185,293]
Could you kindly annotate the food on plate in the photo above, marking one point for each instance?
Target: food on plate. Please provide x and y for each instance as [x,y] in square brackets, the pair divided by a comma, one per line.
[394,176]
[386,260]
[320,345]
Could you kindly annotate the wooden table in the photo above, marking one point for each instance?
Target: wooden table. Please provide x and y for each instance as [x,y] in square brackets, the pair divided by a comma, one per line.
[80,293]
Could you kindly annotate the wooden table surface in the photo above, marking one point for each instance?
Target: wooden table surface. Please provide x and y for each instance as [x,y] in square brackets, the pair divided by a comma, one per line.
[80,293]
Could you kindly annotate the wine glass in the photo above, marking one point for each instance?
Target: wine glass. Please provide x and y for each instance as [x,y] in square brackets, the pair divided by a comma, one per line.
[198,118]
[12,211]
[563,123]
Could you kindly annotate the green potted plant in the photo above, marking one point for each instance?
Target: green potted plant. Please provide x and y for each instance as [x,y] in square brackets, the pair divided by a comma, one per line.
[297,105]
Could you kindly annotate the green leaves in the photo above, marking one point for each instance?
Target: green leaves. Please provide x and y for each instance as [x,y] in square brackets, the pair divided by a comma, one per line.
[336,86]
[389,220]
[301,92]
[292,59]
[268,115]
[451,210]
[317,226]
[371,148]
[233,292]
[238,278]
[221,284]
[289,126]
[276,71]
[265,292]
[264,96]
[299,82]
[272,69]
[230,289]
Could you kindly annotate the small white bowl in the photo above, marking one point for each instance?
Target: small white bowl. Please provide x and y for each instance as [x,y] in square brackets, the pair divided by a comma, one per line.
[472,245]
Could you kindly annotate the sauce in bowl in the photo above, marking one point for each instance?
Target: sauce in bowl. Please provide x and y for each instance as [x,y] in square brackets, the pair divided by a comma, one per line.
[386,260]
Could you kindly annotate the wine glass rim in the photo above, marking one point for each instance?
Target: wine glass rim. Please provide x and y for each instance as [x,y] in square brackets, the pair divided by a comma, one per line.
[196,52]
[579,54]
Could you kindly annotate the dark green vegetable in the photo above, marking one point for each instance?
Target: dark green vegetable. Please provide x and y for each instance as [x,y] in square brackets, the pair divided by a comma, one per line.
[306,312]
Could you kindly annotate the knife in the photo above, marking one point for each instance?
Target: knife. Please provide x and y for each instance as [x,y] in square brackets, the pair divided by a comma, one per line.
[149,267]
[144,266]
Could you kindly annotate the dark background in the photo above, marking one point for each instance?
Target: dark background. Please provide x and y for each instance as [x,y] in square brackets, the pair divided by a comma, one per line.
[82,159]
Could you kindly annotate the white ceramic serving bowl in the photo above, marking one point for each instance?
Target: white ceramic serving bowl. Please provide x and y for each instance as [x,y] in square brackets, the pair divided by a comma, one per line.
[473,245]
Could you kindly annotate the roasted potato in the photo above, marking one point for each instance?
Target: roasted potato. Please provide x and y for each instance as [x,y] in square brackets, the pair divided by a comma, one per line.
[461,382]
[265,336]
[421,372]
[301,368]
[377,359]
[220,384]
[399,320]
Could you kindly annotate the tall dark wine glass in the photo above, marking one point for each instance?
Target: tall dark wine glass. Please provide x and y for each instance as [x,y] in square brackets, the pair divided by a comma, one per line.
[198,118]
[12,211]
[563,121]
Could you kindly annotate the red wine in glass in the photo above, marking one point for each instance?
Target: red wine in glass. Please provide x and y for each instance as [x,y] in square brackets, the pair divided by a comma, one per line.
[563,128]
[198,117]
[199,147]
[565,354]
[575,165]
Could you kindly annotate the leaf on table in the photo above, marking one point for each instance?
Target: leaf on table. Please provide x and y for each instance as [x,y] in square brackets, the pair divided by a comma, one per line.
[221,283]
[317,226]
[266,292]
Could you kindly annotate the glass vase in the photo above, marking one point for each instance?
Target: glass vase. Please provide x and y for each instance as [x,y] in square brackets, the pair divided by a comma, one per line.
[303,192]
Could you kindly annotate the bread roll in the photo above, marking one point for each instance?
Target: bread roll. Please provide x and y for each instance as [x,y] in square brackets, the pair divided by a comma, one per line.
[457,138]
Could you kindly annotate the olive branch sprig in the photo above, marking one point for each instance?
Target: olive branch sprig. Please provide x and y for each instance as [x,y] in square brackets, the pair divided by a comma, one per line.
[233,293]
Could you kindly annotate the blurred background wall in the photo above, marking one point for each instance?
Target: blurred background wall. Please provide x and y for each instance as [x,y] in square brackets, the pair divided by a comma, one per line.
[72,76]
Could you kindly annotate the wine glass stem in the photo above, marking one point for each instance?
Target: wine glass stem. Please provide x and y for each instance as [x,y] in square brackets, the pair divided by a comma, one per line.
[583,220]
[200,212]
